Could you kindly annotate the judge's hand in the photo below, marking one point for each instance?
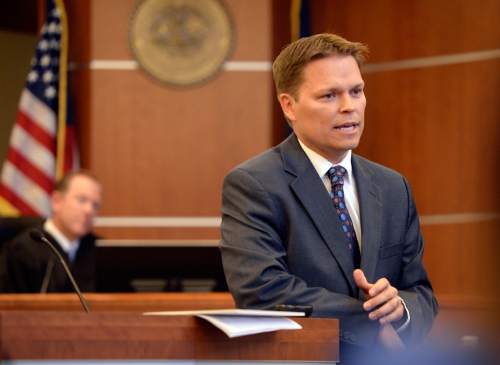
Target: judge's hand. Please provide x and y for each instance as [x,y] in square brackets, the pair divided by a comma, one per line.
[382,300]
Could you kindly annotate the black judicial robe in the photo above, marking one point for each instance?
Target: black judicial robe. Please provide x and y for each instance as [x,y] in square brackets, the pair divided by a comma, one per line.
[27,262]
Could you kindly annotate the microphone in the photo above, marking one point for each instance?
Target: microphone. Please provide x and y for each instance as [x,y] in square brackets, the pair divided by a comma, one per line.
[48,275]
[38,236]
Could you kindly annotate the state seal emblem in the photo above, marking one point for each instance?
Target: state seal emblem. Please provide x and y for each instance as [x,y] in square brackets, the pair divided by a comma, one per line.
[180,42]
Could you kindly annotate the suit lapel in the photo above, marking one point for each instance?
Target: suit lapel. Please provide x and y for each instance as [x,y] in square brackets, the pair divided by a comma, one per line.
[311,192]
[370,207]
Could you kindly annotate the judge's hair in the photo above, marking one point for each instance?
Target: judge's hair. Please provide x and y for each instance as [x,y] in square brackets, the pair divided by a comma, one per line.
[63,184]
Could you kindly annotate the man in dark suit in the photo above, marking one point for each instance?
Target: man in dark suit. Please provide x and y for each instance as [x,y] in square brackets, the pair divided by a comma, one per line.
[31,267]
[310,223]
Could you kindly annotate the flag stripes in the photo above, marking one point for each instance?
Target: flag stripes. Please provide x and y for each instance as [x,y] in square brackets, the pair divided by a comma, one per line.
[41,148]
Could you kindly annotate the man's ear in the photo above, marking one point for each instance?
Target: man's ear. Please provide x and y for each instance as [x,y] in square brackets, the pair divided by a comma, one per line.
[56,199]
[287,103]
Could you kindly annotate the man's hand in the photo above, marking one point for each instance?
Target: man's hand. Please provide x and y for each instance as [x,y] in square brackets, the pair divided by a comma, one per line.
[382,300]
[391,309]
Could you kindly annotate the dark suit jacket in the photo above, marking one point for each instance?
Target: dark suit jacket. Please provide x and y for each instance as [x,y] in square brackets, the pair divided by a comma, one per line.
[282,242]
[26,262]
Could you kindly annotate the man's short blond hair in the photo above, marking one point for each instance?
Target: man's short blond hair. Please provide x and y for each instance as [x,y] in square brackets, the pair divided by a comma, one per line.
[288,66]
[63,184]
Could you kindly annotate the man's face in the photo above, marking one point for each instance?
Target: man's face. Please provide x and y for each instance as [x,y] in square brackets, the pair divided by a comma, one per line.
[75,209]
[327,114]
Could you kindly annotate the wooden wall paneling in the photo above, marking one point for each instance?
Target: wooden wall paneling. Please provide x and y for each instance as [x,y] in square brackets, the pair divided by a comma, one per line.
[163,151]
[463,258]
[251,21]
[410,29]
[40,13]
[79,24]
[444,117]
[167,153]
[80,97]
[439,127]
[281,36]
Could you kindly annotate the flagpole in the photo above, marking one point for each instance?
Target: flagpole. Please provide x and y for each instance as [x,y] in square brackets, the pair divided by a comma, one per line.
[295,19]
[63,83]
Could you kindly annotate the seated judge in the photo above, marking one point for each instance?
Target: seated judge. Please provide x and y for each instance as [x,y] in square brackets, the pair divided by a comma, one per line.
[31,266]
[309,222]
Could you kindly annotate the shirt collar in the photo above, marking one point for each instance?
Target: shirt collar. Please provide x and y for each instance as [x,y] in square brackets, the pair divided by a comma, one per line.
[70,247]
[322,165]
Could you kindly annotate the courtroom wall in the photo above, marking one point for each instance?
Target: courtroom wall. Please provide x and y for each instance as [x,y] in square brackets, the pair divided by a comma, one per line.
[16,50]
[433,80]
[163,151]
[432,87]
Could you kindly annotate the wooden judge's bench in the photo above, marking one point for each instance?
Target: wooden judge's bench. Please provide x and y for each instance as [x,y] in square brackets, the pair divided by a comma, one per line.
[54,327]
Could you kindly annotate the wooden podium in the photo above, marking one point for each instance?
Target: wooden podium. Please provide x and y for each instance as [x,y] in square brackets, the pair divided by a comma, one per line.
[119,334]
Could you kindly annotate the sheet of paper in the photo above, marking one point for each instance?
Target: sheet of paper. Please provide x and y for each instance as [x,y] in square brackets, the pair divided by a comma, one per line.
[229,312]
[235,326]
[241,322]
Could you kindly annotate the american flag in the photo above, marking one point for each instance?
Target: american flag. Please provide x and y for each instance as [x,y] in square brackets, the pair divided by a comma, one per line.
[300,20]
[41,147]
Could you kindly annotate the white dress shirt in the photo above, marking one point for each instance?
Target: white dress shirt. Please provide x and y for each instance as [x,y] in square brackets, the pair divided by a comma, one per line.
[322,165]
[70,247]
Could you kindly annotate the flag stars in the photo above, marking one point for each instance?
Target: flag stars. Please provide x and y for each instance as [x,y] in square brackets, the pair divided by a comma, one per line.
[54,44]
[50,92]
[45,60]
[56,13]
[48,76]
[32,76]
[53,28]
[43,45]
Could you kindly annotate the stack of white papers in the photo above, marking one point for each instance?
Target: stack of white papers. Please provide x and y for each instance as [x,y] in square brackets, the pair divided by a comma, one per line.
[242,322]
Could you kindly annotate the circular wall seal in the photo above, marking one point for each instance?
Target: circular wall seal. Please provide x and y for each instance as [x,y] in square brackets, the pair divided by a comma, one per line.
[180,42]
